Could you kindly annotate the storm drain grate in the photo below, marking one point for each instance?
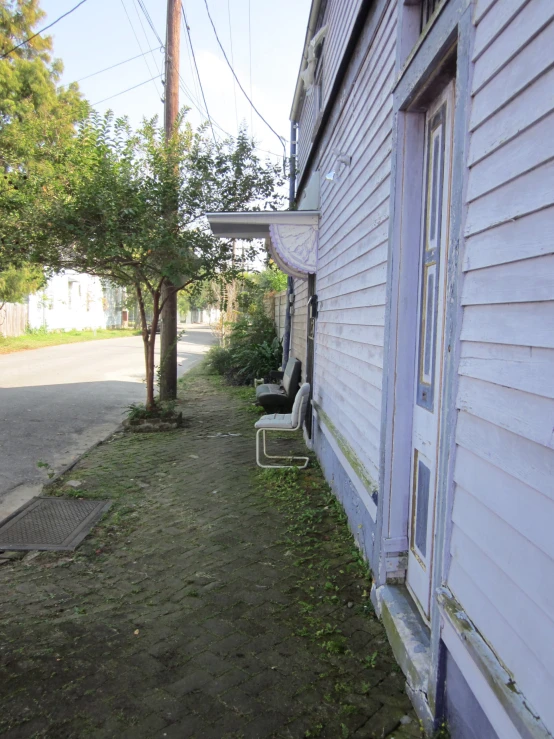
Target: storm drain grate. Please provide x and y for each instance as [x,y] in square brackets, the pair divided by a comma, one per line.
[50,524]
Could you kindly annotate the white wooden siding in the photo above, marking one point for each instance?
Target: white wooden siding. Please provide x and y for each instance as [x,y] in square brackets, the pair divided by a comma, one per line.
[502,565]
[305,132]
[339,17]
[351,273]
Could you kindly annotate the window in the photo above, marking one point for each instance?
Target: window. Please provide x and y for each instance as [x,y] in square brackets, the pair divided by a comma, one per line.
[71,285]
[428,7]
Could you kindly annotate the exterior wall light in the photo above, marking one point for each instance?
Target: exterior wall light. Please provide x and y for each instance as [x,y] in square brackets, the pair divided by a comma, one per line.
[342,162]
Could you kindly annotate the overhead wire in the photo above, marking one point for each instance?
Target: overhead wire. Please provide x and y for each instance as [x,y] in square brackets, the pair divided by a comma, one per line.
[117,94]
[192,75]
[197,72]
[113,66]
[212,120]
[203,110]
[149,21]
[233,61]
[158,69]
[42,30]
[281,138]
[196,104]
[140,46]
[250,61]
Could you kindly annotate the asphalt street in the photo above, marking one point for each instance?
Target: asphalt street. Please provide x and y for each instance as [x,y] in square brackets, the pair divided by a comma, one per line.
[58,401]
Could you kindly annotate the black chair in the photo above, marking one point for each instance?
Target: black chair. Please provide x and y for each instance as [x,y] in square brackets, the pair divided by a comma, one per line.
[279,398]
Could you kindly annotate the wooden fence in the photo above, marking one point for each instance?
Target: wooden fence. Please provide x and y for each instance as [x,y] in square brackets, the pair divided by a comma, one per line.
[276,308]
[13,319]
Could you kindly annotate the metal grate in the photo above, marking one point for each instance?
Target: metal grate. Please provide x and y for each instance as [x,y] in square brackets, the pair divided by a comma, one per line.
[51,524]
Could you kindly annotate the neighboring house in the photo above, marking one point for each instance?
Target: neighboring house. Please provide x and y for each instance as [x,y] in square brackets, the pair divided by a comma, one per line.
[427,256]
[210,315]
[76,301]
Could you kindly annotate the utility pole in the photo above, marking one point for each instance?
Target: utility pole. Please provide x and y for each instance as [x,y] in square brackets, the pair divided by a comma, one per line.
[168,339]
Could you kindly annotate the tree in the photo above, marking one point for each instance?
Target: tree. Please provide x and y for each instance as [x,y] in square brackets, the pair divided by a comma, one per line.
[16,284]
[129,206]
[29,76]
[36,115]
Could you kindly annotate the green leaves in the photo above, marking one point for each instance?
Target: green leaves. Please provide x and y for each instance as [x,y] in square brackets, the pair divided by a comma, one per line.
[127,204]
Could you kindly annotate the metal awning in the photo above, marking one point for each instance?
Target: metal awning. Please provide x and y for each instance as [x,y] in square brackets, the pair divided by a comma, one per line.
[291,236]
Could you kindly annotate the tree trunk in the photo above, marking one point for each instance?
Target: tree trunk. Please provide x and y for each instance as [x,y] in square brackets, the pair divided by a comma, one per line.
[149,342]
[150,402]
[168,345]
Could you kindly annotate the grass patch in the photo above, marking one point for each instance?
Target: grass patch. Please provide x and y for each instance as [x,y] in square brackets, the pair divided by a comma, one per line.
[39,339]
[333,608]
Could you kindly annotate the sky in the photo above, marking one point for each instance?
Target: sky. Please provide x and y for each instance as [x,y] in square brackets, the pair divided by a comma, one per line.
[263,39]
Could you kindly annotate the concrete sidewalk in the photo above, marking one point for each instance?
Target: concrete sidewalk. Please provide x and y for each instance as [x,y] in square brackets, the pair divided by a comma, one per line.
[212,601]
[56,402]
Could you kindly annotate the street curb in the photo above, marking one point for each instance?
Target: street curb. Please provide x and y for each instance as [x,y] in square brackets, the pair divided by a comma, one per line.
[76,461]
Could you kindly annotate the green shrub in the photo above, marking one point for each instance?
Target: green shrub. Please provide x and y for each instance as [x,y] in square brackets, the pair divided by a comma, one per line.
[164,409]
[253,351]
[251,329]
[256,360]
[219,360]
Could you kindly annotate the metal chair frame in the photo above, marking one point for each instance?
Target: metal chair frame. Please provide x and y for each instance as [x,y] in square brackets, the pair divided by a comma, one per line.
[261,435]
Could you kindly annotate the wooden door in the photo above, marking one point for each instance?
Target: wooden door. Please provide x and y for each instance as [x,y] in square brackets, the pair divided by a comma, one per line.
[430,348]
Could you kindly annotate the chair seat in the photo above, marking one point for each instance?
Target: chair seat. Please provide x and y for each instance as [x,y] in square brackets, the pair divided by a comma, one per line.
[270,389]
[275,421]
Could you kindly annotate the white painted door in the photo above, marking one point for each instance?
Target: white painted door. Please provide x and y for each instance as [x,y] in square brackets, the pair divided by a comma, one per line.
[430,345]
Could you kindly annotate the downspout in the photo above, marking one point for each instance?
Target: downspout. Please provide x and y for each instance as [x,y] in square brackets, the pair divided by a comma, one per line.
[290,281]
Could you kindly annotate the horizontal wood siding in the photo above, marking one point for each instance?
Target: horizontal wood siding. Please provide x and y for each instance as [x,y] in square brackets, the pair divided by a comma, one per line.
[305,132]
[351,274]
[339,17]
[502,547]
[299,322]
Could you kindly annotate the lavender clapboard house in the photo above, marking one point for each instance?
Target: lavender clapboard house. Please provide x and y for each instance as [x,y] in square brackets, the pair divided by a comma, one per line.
[422,253]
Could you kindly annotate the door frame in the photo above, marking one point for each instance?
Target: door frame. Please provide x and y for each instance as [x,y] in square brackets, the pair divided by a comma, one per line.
[444,50]
[427,399]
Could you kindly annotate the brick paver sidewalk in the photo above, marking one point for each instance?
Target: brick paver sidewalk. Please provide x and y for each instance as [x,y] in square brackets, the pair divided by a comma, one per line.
[212,601]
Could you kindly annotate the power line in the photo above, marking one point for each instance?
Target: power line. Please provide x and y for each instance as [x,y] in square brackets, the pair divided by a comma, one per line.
[139,44]
[233,62]
[107,69]
[192,75]
[202,112]
[127,90]
[194,100]
[197,72]
[238,81]
[42,30]
[147,39]
[250,58]
[195,103]
[149,21]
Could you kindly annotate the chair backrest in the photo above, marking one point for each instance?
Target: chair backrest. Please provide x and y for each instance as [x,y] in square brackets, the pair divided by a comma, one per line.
[300,405]
[291,377]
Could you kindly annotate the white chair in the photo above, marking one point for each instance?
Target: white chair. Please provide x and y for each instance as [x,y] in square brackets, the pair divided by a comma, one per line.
[284,422]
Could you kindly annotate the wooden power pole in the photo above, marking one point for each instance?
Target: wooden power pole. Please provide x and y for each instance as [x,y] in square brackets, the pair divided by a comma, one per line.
[168,351]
